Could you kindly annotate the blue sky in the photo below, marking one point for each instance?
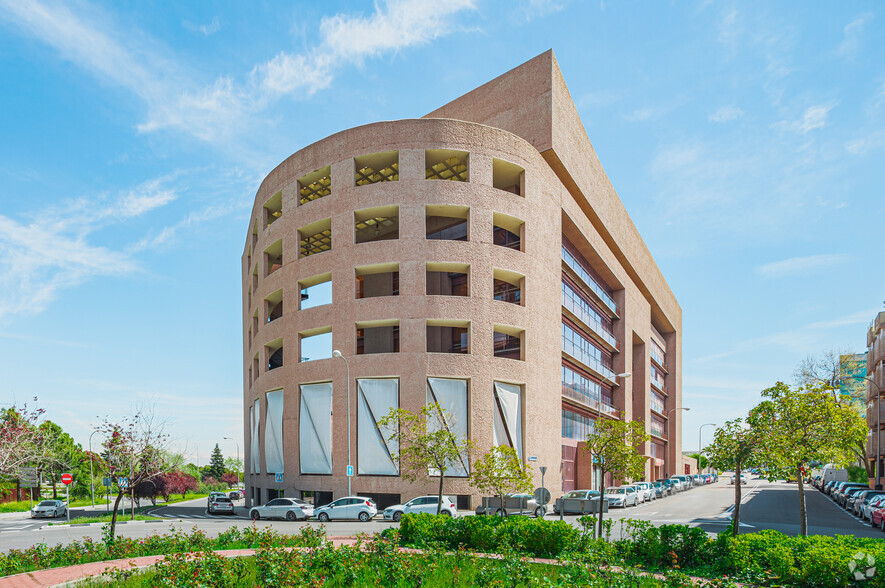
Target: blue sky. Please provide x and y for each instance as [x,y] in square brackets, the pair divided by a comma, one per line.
[745,139]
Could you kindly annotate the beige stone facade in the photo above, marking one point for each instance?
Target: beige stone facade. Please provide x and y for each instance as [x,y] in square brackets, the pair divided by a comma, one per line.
[478,253]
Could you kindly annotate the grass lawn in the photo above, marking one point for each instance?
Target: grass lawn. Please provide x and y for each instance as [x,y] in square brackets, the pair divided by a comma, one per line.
[87,518]
[106,518]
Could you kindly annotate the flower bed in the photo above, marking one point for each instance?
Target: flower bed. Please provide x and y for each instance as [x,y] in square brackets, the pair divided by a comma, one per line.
[41,556]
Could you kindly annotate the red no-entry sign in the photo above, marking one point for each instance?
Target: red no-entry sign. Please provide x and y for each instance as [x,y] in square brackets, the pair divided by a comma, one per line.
[67,479]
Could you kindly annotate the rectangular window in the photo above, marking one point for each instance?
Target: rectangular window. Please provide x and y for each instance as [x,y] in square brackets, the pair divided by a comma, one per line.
[274,354]
[445,164]
[507,292]
[508,177]
[582,349]
[376,167]
[576,426]
[381,284]
[273,257]
[316,237]
[315,291]
[448,223]
[315,429]
[376,224]
[446,284]
[273,209]
[273,305]
[508,344]
[451,395]
[316,344]
[383,338]
[507,231]
[375,450]
[315,185]
[443,338]
[586,274]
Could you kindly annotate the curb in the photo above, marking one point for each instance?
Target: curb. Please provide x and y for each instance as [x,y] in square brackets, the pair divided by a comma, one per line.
[66,526]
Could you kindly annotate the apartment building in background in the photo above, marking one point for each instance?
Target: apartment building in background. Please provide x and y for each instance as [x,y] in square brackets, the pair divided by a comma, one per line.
[875,385]
[477,257]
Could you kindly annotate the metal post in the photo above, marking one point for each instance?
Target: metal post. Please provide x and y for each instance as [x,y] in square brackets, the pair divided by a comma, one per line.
[700,452]
[337,353]
[91,474]
[68,500]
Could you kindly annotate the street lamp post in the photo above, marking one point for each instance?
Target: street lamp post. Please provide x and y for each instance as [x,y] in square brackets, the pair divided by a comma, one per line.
[238,458]
[337,353]
[700,451]
[878,426]
[91,475]
[667,453]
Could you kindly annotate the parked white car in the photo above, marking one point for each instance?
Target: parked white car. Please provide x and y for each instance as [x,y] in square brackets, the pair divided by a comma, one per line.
[680,483]
[290,509]
[647,491]
[622,496]
[421,504]
[742,481]
[349,507]
[49,508]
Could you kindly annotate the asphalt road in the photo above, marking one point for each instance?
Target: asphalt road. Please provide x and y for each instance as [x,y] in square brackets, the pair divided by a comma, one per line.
[765,506]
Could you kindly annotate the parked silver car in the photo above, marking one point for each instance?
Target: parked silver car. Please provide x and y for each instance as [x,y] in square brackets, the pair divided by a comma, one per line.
[514,504]
[49,509]
[349,507]
[574,501]
[290,509]
[220,504]
[426,504]
[622,496]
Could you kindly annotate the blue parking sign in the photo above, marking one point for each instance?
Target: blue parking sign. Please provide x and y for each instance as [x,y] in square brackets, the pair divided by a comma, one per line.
[123,482]
[349,471]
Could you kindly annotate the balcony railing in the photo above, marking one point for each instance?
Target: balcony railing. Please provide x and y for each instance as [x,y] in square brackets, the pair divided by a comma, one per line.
[590,320]
[588,360]
[657,356]
[589,281]
[657,404]
[658,431]
[590,401]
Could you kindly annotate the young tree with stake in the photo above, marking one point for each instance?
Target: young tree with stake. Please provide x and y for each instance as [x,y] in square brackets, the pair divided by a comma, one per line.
[427,444]
[500,472]
[735,447]
[613,446]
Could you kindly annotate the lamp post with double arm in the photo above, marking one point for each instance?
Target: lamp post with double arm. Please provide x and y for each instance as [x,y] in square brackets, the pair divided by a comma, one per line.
[91,474]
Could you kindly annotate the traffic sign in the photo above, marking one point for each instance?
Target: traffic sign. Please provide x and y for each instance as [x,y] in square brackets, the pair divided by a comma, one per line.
[27,477]
[543,470]
[107,482]
[123,482]
[349,471]
[66,479]
[279,478]
[542,495]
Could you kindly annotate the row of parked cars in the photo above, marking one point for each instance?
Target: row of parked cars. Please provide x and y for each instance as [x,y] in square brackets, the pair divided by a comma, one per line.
[857,498]
[639,492]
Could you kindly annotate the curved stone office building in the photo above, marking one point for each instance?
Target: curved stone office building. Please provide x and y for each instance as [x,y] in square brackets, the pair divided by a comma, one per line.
[477,257]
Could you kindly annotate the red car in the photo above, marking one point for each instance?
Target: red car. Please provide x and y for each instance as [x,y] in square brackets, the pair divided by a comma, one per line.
[878,518]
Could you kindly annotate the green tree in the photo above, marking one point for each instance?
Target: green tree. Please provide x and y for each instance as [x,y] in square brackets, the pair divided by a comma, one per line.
[427,444]
[798,426]
[500,472]
[216,463]
[614,448]
[58,455]
[735,447]
[701,460]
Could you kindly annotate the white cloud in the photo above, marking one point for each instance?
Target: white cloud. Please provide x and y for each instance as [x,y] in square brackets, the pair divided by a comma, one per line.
[206,29]
[853,32]
[539,8]
[348,40]
[218,111]
[726,113]
[648,113]
[801,266]
[53,251]
[865,144]
[814,117]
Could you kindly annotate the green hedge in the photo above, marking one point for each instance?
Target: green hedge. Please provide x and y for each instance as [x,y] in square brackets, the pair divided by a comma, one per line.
[765,558]
[537,537]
